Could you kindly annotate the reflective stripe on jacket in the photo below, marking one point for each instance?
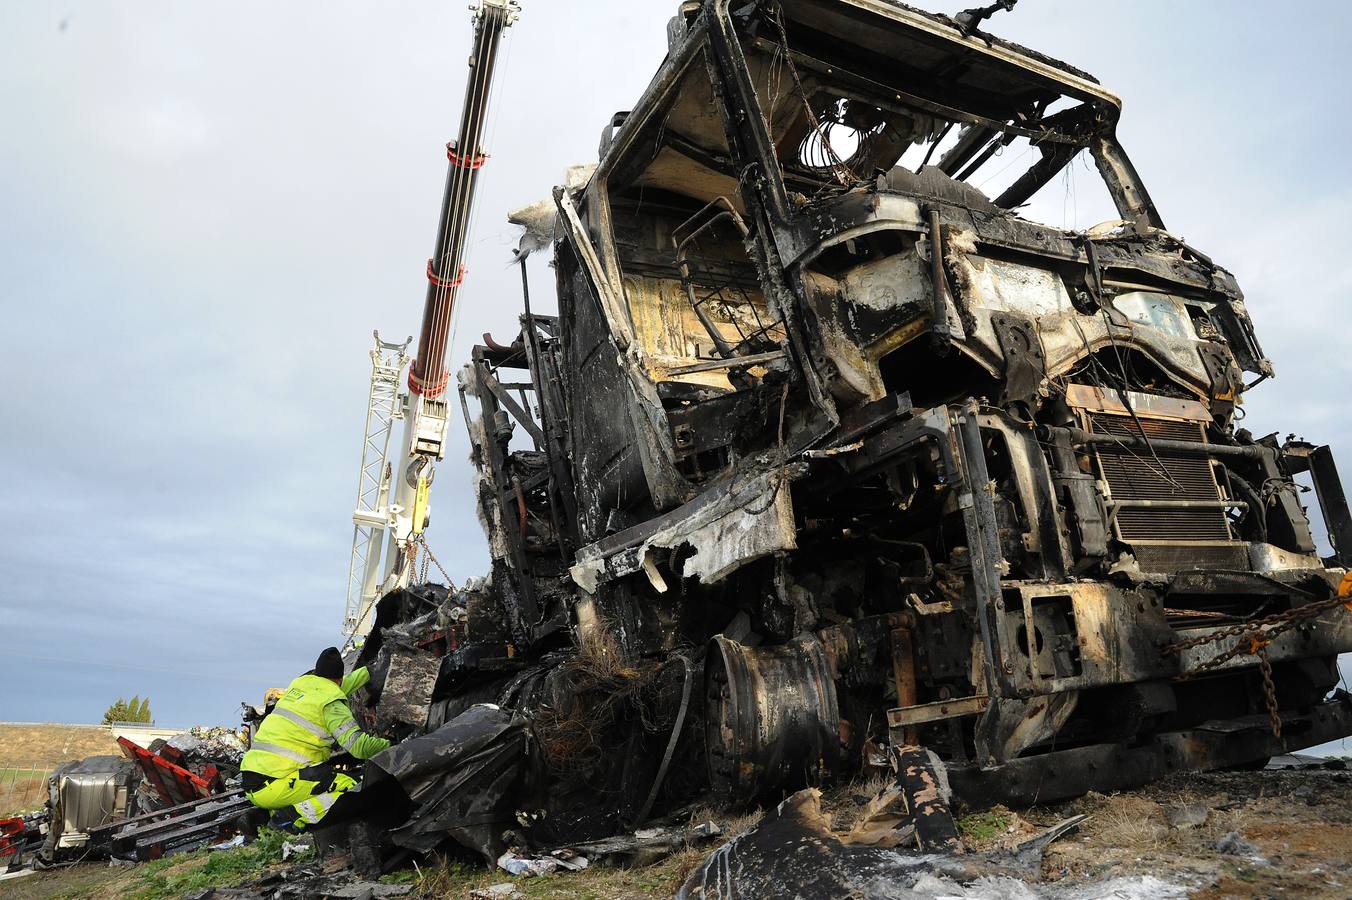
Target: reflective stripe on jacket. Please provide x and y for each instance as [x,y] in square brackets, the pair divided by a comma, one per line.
[294,735]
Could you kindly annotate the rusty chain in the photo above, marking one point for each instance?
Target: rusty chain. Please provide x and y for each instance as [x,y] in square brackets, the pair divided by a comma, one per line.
[421,543]
[1254,640]
[1279,622]
[1269,692]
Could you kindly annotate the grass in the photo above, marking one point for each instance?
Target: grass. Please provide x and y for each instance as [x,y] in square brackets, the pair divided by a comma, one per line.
[22,790]
[985,826]
[1128,820]
[846,804]
[24,772]
[28,753]
[51,745]
[171,876]
[187,873]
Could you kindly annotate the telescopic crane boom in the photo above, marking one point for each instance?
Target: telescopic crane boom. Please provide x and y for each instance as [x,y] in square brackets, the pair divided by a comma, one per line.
[392,507]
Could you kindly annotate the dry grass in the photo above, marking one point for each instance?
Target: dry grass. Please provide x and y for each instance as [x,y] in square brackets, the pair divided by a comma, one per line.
[731,825]
[28,753]
[1126,821]
[22,791]
[52,744]
[847,803]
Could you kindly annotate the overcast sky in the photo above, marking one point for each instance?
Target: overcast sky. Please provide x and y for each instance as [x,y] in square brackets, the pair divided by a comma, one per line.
[206,208]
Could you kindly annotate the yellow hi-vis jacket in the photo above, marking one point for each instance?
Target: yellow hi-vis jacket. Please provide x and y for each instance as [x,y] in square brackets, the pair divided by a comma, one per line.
[305,725]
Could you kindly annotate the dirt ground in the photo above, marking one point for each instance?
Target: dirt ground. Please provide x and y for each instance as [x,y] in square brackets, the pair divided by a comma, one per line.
[1218,835]
[1221,835]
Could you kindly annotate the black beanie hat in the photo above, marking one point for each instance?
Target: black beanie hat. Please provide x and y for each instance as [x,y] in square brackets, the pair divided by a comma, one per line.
[329,664]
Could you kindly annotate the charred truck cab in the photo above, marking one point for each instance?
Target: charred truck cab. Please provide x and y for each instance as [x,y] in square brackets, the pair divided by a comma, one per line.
[885,462]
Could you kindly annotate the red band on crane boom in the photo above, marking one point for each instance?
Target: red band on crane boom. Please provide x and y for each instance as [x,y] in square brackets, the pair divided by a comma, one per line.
[434,390]
[465,162]
[453,283]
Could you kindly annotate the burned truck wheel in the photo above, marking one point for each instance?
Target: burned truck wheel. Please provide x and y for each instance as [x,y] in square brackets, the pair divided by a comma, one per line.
[771,718]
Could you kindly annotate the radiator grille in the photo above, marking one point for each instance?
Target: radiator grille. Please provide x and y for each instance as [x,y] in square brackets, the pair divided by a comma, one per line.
[1132,473]
[1181,557]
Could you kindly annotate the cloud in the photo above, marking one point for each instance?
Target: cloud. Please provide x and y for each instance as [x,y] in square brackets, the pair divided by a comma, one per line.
[155,129]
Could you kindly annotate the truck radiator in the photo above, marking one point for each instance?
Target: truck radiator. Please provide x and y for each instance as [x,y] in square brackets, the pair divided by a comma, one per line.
[1165,539]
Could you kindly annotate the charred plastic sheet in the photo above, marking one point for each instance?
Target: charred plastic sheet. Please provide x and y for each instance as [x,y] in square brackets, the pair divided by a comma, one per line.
[463,780]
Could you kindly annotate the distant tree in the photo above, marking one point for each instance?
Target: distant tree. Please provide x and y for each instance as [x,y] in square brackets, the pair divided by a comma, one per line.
[135,710]
[146,715]
[117,712]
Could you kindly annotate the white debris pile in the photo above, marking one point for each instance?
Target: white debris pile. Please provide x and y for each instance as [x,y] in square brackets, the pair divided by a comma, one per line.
[202,745]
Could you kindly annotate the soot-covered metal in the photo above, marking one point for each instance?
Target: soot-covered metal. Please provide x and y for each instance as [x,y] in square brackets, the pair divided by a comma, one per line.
[830,452]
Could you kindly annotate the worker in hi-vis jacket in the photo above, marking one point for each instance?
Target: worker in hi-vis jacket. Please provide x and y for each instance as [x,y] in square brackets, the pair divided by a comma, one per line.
[288,761]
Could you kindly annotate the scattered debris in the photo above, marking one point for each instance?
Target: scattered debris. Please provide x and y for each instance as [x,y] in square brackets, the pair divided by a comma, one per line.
[203,750]
[1123,849]
[643,845]
[534,866]
[20,839]
[297,847]
[171,798]
[228,843]
[793,852]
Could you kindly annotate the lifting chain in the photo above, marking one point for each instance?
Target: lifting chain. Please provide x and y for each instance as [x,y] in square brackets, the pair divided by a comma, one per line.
[420,543]
[1253,640]
[1269,693]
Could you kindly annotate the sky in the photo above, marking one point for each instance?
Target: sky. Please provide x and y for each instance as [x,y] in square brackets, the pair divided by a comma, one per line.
[206,208]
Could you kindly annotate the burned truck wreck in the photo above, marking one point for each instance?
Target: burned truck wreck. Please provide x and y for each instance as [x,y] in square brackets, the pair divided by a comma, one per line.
[829,450]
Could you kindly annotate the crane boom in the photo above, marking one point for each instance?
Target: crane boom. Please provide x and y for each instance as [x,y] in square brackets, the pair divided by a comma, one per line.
[465,157]
[400,513]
